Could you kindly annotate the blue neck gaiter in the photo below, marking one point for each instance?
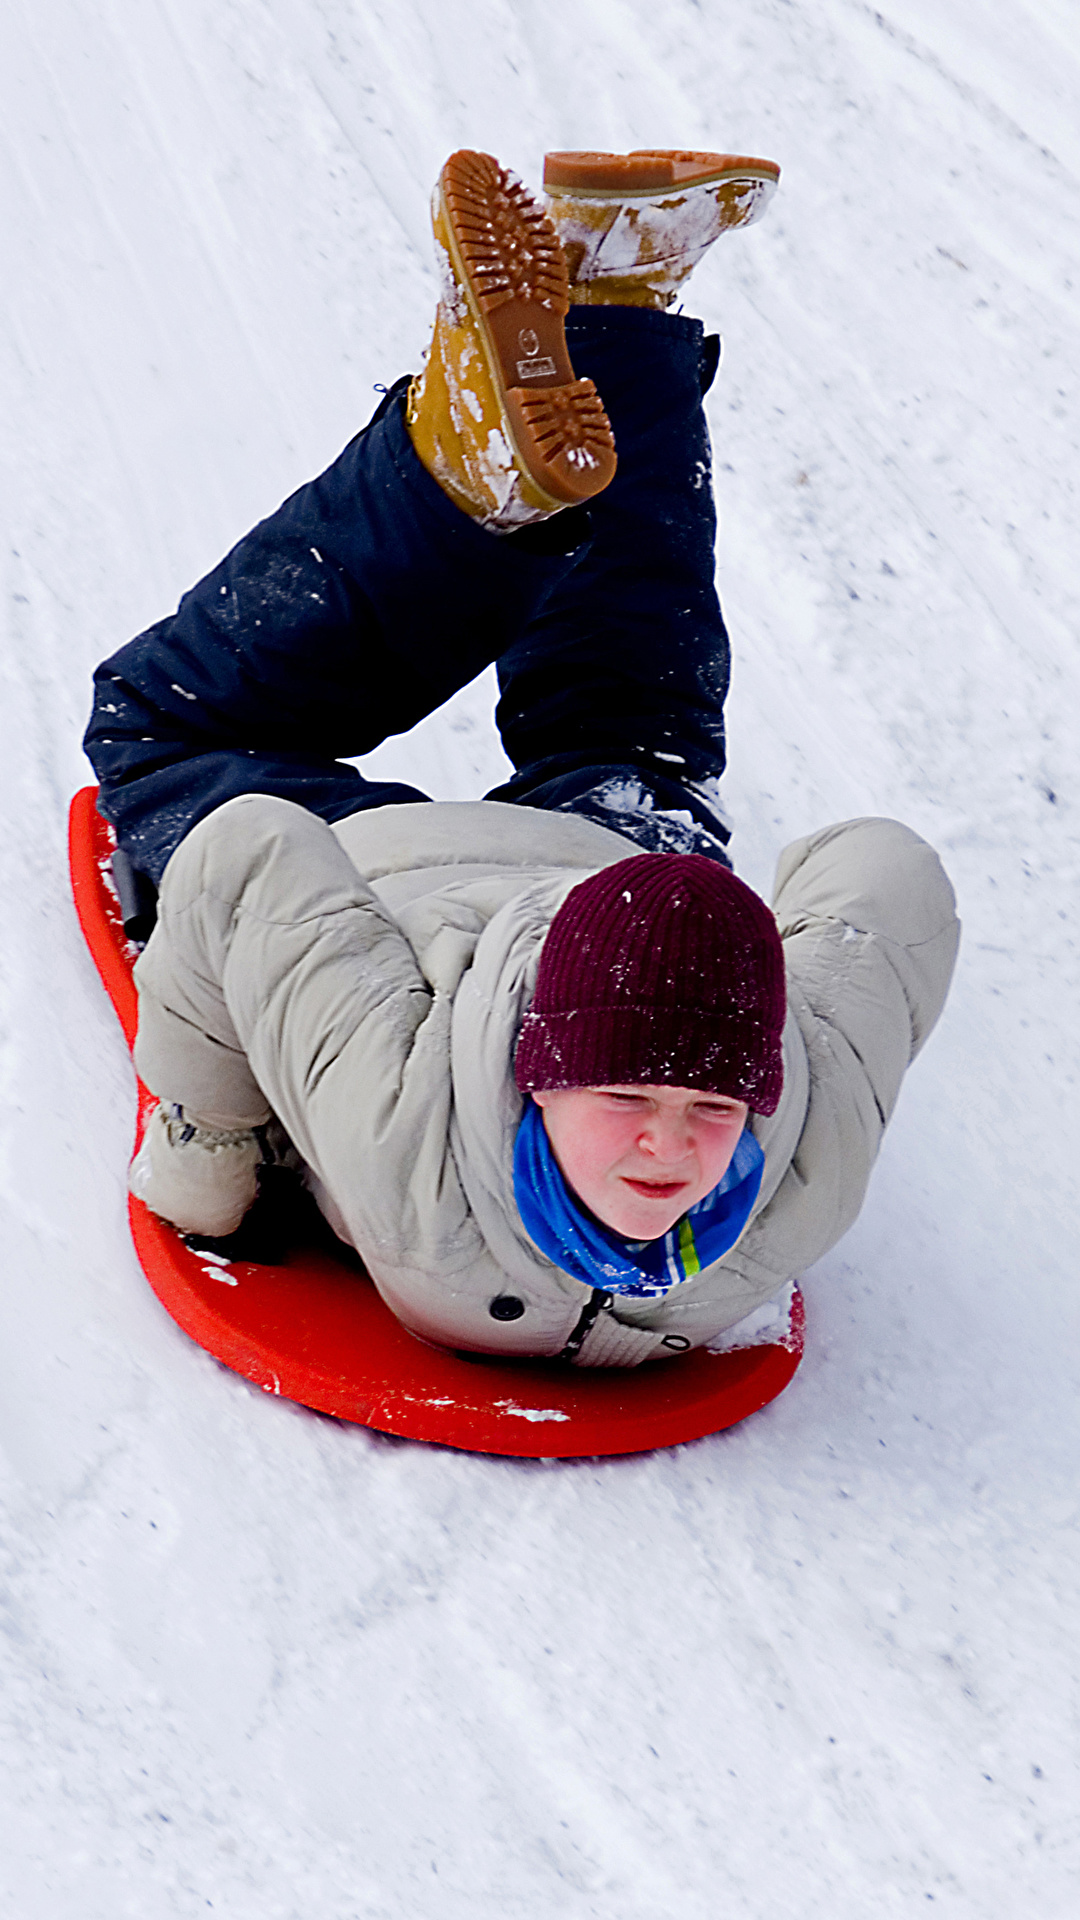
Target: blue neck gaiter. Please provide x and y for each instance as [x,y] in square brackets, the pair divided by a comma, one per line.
[644,1269]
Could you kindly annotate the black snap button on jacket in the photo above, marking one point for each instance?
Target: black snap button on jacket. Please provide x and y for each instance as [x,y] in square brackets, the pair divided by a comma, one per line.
[506,1306]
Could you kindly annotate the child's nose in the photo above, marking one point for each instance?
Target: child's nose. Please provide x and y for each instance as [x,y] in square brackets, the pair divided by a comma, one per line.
[665,1138]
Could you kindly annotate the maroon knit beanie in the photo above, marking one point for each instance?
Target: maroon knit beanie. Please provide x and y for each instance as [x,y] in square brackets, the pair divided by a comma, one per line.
[664,970]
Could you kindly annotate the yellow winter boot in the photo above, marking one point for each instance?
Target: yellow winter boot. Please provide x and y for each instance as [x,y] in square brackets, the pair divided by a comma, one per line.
[497,416]
[633,226]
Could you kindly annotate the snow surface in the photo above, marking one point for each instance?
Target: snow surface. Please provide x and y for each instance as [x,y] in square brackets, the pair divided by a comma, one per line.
[260,1663]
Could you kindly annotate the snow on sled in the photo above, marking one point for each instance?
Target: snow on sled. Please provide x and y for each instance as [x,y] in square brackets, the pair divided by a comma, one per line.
[313,1328]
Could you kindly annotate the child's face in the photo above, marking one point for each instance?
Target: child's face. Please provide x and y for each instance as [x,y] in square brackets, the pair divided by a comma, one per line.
[638,1157]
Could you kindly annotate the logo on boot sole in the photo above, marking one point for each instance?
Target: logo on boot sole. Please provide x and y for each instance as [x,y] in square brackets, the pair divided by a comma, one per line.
[535,366]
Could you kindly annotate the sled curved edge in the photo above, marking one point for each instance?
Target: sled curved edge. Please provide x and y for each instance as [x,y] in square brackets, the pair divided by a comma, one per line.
[98,907]
[319,1334]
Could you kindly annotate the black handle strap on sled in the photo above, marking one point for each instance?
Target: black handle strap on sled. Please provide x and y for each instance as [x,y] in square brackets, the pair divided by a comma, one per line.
[138,898]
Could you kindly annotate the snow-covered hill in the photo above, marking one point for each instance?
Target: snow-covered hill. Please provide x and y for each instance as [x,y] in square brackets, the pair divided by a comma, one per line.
[264,1665]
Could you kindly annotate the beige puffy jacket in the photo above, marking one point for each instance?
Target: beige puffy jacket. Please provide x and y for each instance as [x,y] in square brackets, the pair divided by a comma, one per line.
[366,984]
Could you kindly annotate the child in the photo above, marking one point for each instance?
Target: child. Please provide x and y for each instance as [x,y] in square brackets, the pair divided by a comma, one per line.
[516,1042]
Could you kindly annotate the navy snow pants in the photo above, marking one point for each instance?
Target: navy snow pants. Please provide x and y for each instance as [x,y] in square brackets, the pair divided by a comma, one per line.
[368,598]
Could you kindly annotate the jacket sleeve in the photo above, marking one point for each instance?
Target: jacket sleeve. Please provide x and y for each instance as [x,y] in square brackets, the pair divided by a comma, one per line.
[274,979]
[868,920]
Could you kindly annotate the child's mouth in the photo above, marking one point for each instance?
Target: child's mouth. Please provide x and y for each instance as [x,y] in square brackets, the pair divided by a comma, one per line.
[655,1189]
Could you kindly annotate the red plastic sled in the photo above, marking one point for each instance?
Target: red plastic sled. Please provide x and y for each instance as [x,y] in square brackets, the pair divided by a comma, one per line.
[316,1331]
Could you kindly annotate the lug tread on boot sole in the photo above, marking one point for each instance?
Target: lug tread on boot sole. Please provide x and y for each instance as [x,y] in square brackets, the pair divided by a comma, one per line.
[506,256]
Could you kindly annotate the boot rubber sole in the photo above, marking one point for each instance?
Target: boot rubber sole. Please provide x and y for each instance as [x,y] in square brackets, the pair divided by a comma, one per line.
[507,260]
[646,172]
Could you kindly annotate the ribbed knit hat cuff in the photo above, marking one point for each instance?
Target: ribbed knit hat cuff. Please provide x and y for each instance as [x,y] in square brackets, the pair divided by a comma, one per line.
[642,1045]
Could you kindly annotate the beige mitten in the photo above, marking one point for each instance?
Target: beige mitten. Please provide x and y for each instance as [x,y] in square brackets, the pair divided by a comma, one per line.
[199,1175]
